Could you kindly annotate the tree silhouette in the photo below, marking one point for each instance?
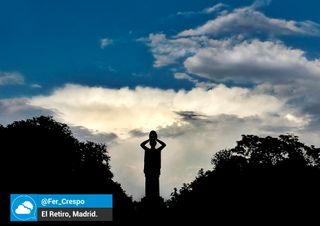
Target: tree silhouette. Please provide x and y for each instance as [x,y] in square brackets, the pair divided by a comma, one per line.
[42,156]
[260,180]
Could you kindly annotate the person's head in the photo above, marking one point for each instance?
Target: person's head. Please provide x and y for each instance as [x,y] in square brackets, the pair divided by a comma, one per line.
[153,135]
[153,143]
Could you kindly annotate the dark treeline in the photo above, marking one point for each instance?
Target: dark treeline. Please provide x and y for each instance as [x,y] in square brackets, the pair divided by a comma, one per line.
[41,156]
[260,180]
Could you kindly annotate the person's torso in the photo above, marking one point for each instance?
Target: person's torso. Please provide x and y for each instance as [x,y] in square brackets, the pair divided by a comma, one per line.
[152,159]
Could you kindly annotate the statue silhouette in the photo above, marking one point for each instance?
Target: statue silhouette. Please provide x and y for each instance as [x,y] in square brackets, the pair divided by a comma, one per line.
[152,165]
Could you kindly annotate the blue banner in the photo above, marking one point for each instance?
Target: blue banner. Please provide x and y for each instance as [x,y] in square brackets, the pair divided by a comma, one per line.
[28,207]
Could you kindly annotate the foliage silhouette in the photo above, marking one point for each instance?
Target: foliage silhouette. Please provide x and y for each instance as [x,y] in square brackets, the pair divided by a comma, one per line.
[42,156]
[260,180]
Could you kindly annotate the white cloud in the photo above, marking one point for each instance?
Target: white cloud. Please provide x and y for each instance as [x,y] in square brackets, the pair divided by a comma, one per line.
[183,76]
[194,124]
[233,59]
[170,51]
[11,78]
[108,110]
[22,210]
[104,42]
[111,110]
[240,59]
[254,61]
[247,21]
[215,8]
[194,47]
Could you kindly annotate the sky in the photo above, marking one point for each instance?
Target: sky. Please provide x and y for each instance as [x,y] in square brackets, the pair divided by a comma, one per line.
[201,73]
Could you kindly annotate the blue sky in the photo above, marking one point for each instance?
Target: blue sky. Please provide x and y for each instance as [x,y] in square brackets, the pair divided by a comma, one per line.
[201,73]
[55,42]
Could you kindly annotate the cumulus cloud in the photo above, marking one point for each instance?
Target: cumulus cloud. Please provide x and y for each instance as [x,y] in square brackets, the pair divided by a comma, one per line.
[255,61]
[108,110]
[11,78]
[168,51]
[194,124]
[248,20]
[240,59]
[270,66]
[104,42]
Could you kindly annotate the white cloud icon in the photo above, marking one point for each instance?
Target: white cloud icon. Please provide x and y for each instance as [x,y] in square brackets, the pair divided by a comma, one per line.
[22,210]
[28,205]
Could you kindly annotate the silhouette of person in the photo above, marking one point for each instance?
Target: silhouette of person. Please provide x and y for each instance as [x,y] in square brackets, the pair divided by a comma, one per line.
[152,164]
